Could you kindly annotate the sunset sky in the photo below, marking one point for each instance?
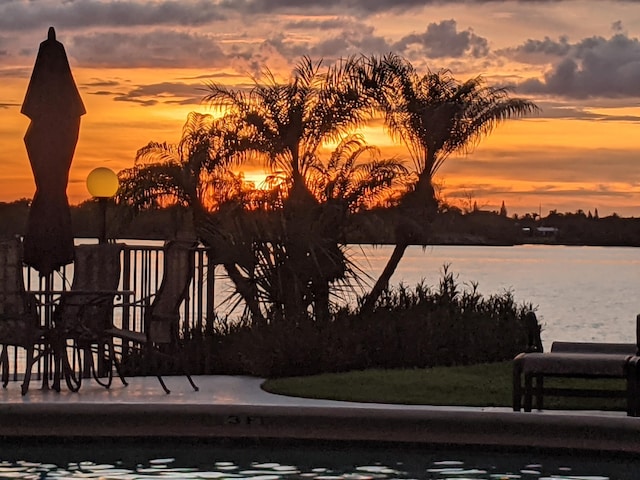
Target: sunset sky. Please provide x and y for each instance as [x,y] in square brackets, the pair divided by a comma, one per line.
[142,65]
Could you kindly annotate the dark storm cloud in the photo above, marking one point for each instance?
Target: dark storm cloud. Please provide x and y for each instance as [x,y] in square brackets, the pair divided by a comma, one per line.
[165,92]
[151,49]
[594,67]
[351,38]
[539,51]
[316,24]
[362,7]
[101,83]
[4,106]
[16,16]
[444,40]
[571,112]
[345,36]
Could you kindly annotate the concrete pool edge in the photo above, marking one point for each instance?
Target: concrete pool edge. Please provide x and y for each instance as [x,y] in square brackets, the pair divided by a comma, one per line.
[352,423]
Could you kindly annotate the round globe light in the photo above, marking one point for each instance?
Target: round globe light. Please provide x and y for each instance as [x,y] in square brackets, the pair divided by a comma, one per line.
[102,182]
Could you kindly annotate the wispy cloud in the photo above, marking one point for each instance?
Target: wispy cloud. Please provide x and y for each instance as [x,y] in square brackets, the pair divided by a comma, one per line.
[165,92]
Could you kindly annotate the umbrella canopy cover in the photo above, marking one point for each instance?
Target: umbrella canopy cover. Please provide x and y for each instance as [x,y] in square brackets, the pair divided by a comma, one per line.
[53,104]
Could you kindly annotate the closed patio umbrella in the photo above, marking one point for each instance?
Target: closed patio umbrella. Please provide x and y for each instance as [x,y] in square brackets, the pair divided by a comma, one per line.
[53,104]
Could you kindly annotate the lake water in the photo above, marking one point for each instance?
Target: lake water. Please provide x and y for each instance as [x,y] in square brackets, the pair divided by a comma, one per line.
[581,293]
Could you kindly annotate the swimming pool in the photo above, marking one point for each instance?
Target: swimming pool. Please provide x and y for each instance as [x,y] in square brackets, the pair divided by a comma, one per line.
[205,459]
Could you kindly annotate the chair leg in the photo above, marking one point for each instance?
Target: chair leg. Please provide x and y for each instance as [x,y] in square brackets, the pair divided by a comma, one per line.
[30,359]
[186,374]
[527,392]
[97,371]
[4,360]
[57,366]
[73,380]
[177,361]
[164,385]
[193,385]
[632,387]
[517,385]
[114,359]
[539,391]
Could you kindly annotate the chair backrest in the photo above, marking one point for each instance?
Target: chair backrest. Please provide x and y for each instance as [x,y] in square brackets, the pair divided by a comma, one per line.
[599,348]
[14,301]
[96,268]
[162,317]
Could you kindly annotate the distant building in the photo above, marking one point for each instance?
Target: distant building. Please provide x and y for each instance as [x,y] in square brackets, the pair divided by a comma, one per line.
[540,231]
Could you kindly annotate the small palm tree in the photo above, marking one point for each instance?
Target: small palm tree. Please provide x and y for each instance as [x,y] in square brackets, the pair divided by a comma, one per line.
[433,115]
[181,174]
[354,184]
[195,174]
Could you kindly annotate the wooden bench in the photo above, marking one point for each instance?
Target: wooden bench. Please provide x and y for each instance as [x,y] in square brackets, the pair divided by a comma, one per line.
[588,360]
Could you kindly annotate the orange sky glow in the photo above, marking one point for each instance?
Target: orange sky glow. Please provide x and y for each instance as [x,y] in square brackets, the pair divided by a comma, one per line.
[140,71]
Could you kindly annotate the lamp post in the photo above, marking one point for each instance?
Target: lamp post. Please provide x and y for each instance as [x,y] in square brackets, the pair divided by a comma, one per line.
[102,184]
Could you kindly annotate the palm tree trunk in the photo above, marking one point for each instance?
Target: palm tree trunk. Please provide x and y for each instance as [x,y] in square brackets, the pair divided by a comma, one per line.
[244,287]
[247,290]
[419,205]
[382,283]
[321,301]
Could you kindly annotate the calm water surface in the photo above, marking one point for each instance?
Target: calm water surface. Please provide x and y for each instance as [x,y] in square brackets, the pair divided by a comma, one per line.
[581,293]
[188,460]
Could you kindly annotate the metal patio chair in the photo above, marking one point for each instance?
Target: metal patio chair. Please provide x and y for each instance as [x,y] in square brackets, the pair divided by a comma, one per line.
[19,318]
[158,345]
[83,315]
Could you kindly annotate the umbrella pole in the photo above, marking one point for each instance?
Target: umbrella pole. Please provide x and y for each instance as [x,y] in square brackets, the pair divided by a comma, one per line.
[48,324]
[102,202]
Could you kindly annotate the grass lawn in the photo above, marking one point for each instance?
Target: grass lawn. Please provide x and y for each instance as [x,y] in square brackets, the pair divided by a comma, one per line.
[484,385]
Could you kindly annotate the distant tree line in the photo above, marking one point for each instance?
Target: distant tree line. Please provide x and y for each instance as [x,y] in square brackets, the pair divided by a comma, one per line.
[451,226]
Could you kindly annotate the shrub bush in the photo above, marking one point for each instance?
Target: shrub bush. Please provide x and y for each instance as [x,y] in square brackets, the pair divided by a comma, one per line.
[418,327]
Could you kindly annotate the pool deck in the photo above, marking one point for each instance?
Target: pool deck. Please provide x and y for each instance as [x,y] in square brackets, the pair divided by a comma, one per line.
[236,407]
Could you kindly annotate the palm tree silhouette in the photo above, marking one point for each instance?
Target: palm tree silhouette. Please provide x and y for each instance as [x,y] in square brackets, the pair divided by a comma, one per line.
[433,115]
[194,173]
[286,124]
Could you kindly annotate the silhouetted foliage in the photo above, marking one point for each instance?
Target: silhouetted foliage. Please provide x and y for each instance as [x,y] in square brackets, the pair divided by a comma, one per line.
[433,115]
[419,327]
[13,217]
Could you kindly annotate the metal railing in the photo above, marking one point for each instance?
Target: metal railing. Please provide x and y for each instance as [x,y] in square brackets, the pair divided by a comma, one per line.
[142,273]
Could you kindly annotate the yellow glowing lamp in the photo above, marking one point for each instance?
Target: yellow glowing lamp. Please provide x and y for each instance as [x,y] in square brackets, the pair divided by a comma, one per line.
[102,182]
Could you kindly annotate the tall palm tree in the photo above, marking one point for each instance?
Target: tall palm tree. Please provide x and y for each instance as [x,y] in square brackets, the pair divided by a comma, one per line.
[286,123]
[433,115]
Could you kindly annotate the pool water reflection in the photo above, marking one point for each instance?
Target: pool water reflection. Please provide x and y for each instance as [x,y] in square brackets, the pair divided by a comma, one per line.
[179,459]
